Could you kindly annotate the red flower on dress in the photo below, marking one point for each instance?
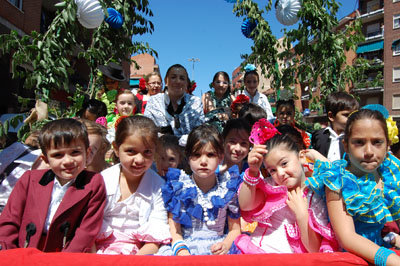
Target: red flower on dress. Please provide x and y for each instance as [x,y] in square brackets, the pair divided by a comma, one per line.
[262,131]
[119,121]
[142,84]
[240,99]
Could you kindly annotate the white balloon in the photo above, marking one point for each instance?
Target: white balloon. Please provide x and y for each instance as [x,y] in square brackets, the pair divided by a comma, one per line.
[90,13]
[286,11]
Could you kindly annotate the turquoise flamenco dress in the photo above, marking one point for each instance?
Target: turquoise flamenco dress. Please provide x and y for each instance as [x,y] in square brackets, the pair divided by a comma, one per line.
[371,207]
[181,199]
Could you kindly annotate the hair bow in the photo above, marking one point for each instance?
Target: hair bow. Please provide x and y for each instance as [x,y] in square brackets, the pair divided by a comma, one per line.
[393,131]
[262,131]
[142,84]
[102,121]
[240,99]
[249,67]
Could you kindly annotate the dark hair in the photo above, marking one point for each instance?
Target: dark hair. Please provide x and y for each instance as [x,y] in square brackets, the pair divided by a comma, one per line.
[62,132]
[226,76]
[289,103]
[141,125]
[236,124]
[282,139]
[178,66]
[252,72]
[340,101]
[292,133]
[365,114]
[170,141]
[252,112]
[201,136]
[95,107]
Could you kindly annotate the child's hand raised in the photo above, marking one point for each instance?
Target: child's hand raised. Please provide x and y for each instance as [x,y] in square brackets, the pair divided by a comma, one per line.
[297,203]
[219,248]
[314,155]
[255,158]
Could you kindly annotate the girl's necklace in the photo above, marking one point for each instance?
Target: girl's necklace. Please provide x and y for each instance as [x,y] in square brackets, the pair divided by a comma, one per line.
[205,202]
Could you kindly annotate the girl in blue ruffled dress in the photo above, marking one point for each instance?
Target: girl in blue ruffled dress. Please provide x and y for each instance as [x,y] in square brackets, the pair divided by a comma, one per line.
[202,204]
[363,193]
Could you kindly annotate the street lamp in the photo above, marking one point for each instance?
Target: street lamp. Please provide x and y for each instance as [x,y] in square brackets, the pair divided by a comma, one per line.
[194,60]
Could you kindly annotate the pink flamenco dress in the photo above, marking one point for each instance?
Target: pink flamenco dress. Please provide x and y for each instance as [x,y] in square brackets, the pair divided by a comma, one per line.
[277,230]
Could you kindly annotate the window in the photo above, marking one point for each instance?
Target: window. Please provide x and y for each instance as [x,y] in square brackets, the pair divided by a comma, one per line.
[17,3]
[396,21]
[396,102]
[396,49]
[373,30]
[372,5]
[396,74]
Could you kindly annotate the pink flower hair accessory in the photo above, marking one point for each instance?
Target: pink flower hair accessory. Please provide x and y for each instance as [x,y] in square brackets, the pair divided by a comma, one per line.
[102,121]
[262,131]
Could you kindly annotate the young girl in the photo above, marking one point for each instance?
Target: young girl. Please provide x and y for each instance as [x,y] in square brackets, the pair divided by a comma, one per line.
[236,144]
[362,194]
[216,103]
[135,220]
[124,106]
[285,115]
[291,218]
[251,81]
[200,205]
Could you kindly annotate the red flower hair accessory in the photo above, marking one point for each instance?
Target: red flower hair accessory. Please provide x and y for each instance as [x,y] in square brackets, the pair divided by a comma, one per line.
[142,84]
[192,88]
[240,99]
[102,121]
[119,121]
[262,131]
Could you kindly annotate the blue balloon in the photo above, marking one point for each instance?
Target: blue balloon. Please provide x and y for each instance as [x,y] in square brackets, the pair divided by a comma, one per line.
[247,27]
[114,19]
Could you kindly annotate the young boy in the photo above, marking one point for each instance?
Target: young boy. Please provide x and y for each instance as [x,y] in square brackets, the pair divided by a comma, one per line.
[60,209]
[328,141]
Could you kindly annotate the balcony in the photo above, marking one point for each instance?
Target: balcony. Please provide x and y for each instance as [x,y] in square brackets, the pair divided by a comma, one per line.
[369,86]
[372,15]
[376,35]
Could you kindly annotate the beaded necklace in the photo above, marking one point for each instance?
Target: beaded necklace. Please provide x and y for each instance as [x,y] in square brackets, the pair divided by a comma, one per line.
[205,201]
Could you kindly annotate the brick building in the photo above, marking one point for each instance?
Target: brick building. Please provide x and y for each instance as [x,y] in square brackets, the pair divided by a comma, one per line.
[147,64]
[24,17]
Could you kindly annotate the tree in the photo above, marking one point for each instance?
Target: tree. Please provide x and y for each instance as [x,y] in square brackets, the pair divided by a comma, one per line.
[316,49]
[50,53]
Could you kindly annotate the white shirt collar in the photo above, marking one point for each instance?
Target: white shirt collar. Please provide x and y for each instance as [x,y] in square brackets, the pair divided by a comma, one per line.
[112,182]
[333,134]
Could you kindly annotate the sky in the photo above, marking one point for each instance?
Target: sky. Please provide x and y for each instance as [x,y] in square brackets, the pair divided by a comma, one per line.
[206,30]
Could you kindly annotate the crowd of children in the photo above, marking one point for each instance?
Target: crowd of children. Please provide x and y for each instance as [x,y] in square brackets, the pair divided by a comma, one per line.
[219,175]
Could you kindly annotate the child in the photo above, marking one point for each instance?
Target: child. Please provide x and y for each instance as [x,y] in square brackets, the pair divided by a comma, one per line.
[135,220]
[98,144]
[93,109]
[169,155]
[251,81]
[125,106]
[216,103]
[327,141]
[291,218]
[58,209]
[252,112]
[285,112]
[236,144]
[238,104]
[362,194]
[200,205]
